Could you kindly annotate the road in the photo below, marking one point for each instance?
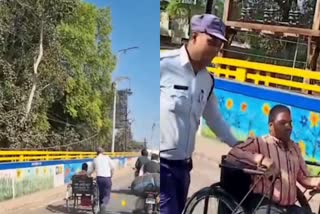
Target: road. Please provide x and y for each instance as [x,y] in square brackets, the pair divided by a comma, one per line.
[51,201]
[205,172]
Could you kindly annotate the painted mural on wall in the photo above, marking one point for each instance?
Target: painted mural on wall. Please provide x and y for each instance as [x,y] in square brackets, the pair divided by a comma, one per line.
[7,178]
[59,175]
[248,116]
[29,180]
[70,169]
[19,182]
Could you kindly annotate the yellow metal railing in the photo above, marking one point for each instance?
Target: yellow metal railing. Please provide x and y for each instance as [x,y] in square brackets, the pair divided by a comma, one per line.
[24,156]
[266,74]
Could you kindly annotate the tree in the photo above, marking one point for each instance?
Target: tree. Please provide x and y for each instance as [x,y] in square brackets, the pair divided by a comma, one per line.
[179,9]
[55,73]
[87,50]
[22,35]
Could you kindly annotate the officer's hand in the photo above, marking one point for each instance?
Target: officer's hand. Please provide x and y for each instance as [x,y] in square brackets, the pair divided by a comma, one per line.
[239,142]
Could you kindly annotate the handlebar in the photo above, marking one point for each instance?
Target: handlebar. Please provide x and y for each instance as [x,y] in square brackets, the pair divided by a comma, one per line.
[247,170]
[251,170]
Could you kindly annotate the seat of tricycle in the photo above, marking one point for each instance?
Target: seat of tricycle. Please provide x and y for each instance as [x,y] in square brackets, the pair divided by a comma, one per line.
[82,184]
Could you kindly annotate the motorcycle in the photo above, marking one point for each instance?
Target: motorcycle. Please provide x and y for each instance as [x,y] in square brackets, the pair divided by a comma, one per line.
[152,205]
[148,201]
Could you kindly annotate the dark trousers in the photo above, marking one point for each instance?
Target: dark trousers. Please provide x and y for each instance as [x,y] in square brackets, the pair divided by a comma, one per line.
[104,185]
[275,208]
[175,181]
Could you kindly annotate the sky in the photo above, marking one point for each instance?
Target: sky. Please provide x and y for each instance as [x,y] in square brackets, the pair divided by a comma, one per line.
[136,23]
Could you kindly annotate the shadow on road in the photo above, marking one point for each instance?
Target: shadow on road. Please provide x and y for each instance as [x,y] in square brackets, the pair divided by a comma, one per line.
[123,191]
[117,212]
[62,209]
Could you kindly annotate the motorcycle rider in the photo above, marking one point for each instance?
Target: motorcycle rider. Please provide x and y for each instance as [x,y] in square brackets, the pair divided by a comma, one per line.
[143,159]
[152,166]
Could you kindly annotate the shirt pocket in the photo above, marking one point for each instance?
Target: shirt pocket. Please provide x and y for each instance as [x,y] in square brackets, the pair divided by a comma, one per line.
[179,100]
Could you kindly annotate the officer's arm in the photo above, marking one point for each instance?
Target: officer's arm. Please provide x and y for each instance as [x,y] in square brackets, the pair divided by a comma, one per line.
[216,123]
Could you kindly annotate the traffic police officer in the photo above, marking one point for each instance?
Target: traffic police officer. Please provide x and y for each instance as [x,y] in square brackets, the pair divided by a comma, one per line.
[185,95]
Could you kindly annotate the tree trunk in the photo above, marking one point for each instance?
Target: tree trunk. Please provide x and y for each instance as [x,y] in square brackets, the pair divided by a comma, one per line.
[209,6]
[35,72]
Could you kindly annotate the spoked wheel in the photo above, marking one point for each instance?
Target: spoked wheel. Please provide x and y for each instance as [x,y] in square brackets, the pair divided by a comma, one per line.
[302,200]
[68,204]
[71,204]
[95,200]
[212,200]
[95,207]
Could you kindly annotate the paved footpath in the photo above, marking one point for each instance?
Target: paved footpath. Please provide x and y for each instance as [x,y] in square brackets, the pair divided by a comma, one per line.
[51,201]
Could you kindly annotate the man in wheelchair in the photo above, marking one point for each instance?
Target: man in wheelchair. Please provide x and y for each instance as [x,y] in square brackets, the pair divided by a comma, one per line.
[281,158]
[83,172]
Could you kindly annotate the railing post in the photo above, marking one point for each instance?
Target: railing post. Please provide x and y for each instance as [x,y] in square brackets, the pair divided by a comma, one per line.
[266,81]
[241,74]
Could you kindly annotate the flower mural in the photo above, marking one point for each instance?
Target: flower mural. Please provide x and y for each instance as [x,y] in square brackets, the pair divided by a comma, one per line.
[266,109]
[221,101]
[229,104]
[19,174]
[303,121]
[314,119]
[70,170]
[302,147]
[244,107]
[251,134]
[244,123]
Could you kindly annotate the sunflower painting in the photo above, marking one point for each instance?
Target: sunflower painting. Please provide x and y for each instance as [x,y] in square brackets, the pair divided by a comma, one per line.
[244,107]
[229,104]
[314,119]
[266,109]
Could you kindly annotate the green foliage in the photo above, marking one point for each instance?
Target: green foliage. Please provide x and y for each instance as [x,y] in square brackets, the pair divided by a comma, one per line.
[73,97]
[88,50]
[178,9]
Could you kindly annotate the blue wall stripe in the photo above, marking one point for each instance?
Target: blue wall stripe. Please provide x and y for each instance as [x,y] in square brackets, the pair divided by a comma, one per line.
[19,165]
[270,94]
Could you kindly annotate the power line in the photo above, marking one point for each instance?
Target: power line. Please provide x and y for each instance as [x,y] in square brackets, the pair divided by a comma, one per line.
[57,146]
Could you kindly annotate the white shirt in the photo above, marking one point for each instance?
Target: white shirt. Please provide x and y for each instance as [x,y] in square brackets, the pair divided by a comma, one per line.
[103,165]
[183,100]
